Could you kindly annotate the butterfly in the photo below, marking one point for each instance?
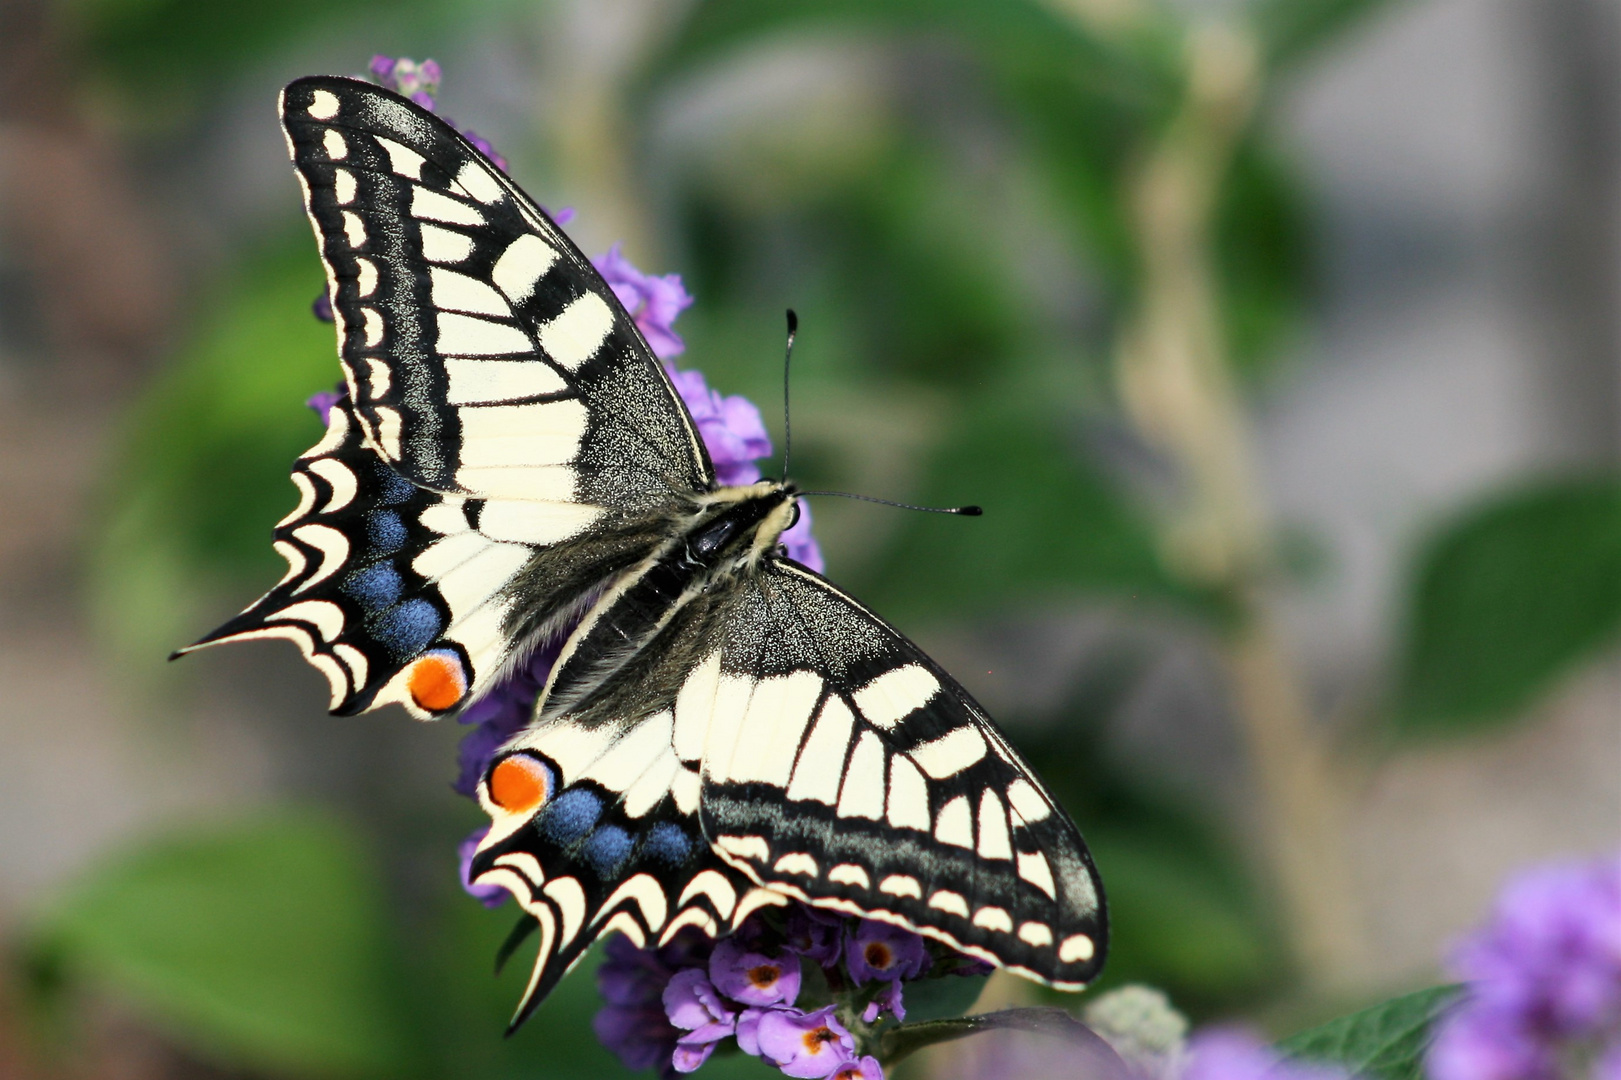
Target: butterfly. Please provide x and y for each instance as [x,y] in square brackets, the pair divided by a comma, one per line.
[724,730]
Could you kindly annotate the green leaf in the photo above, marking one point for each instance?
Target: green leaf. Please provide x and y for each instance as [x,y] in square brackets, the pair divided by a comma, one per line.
[258,943]
[942,997]
[1385,1042]
[1509,597]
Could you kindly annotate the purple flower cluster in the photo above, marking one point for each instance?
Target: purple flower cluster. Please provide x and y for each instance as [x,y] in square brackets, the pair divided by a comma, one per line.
[1544,975]
[670,1008]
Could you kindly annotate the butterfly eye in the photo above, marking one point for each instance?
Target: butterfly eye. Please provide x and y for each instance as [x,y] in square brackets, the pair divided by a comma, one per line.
[519,784]
[793,516]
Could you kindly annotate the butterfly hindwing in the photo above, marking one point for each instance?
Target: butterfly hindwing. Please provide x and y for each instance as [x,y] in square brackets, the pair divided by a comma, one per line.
[843,767]
[395,592]
[485,355]
[594,829]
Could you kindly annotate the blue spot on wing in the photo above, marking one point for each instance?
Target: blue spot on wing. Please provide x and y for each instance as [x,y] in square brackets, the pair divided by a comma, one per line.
[667,843]
[408,628]
[607,849]
[392,488]
[571,815]
[375,587]
[386,531]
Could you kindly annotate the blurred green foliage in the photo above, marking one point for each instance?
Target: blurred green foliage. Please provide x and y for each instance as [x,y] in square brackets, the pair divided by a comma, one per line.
[256,944]
[1507,597]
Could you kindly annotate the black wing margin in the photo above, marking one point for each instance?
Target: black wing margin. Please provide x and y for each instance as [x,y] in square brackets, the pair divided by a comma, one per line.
[845,768]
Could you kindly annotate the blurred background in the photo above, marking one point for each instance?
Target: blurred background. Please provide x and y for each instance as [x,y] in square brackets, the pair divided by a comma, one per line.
[1279,340]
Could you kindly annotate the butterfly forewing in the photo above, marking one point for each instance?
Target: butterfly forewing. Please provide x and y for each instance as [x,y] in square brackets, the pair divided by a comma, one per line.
[484,354]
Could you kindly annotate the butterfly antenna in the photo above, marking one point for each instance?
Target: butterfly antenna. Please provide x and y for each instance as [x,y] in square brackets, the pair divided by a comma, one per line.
[787,359]
[960,511]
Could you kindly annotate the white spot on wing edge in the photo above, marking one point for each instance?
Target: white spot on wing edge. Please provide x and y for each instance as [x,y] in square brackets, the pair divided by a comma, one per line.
[336,149]
[849,874]
[323,105]
[1034,933]
[901,885]
[994,918]
[1077,947]
[745,847]
[948,901]
[796,862]
[994,841]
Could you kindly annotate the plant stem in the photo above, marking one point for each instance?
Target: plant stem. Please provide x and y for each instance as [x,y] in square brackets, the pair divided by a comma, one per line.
[1177,384]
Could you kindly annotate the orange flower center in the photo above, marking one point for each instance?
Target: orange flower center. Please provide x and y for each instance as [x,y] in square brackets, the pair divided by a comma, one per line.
[816,1038]
[764,975]
[879,956]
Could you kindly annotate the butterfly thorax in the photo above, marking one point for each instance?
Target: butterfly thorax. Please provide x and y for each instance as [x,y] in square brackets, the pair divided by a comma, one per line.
[659,609]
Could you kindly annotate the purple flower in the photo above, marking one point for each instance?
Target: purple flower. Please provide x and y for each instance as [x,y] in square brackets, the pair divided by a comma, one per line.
[323,402]
[322,307]
[654,302]
[802,1044]
[692,1003]
[406,77]
[816,935]
[491,896]
[865,1069]
[888,999]
[1228,1054]
[878,950]
[1544,977]
[754,978]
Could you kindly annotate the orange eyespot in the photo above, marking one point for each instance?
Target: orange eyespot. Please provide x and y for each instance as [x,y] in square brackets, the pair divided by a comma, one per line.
[437,681]
[518,784]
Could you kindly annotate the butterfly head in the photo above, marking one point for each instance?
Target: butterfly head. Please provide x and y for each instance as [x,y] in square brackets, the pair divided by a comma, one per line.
[746,521]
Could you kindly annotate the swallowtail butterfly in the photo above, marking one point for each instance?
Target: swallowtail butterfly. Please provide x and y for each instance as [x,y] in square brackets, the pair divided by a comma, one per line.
[724,729]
